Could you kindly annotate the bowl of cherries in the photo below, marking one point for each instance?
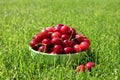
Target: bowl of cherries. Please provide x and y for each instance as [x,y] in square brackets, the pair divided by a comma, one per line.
[60,42]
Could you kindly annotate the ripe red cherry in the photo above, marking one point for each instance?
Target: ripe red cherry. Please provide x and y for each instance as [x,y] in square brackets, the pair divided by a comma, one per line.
[84,45]
[57,49]
[44,34]
[77,48]
[64,36]
[56,34]
[32,43]
[81,68]
[58,27]
[67,43]
[86,40]
[79,37]
[89,65]
[46,42]
[53,53]
[42,49]
[50,29]
[37,38]
[65,30]
[73,42]
[56,41]
[68,50]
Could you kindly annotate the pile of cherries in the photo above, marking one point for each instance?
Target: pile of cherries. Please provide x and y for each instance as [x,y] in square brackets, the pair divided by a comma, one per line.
[60,39]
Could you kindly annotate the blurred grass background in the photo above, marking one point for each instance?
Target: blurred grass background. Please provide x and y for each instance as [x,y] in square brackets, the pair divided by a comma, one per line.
[21,19]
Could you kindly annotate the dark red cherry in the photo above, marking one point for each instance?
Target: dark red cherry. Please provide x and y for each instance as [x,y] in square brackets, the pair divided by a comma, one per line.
[79,37]
[44,34]
[50,29]
[46,42]
[32,43]
[58,27]
[64,36]
[56,34]
[57,49]
[42,49]
[56,41]
[68,50]
[65,30]
[67,43]
[77,48]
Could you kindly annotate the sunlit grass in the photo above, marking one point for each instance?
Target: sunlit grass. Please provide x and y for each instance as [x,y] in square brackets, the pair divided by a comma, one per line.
[21,19]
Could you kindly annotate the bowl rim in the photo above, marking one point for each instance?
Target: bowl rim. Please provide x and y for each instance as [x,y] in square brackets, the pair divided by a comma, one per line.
[52,54]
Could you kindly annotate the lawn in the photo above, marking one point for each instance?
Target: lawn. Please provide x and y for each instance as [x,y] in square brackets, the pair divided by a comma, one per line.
[21,19]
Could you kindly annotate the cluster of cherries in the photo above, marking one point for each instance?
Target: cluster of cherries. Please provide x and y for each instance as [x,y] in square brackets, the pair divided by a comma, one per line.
[83,67]
[60,39]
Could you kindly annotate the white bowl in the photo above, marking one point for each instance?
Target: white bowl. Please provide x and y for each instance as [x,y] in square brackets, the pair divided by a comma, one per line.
[56,58]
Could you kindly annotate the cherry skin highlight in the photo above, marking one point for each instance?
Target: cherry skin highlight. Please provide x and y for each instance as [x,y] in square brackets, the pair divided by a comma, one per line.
[58,49]
[56,41]
[58,27]
[90,65]
[46,42]
[84,45]
[56,34]
[64,37]
[65,30]
[32,43]
[77,48]
[68,50]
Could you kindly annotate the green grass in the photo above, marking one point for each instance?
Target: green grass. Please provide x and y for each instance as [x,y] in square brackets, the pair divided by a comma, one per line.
[21,19]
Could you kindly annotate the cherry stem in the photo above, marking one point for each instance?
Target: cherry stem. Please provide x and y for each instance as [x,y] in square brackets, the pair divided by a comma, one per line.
[50,32]
[38,44]
[45,47]
[71,36]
